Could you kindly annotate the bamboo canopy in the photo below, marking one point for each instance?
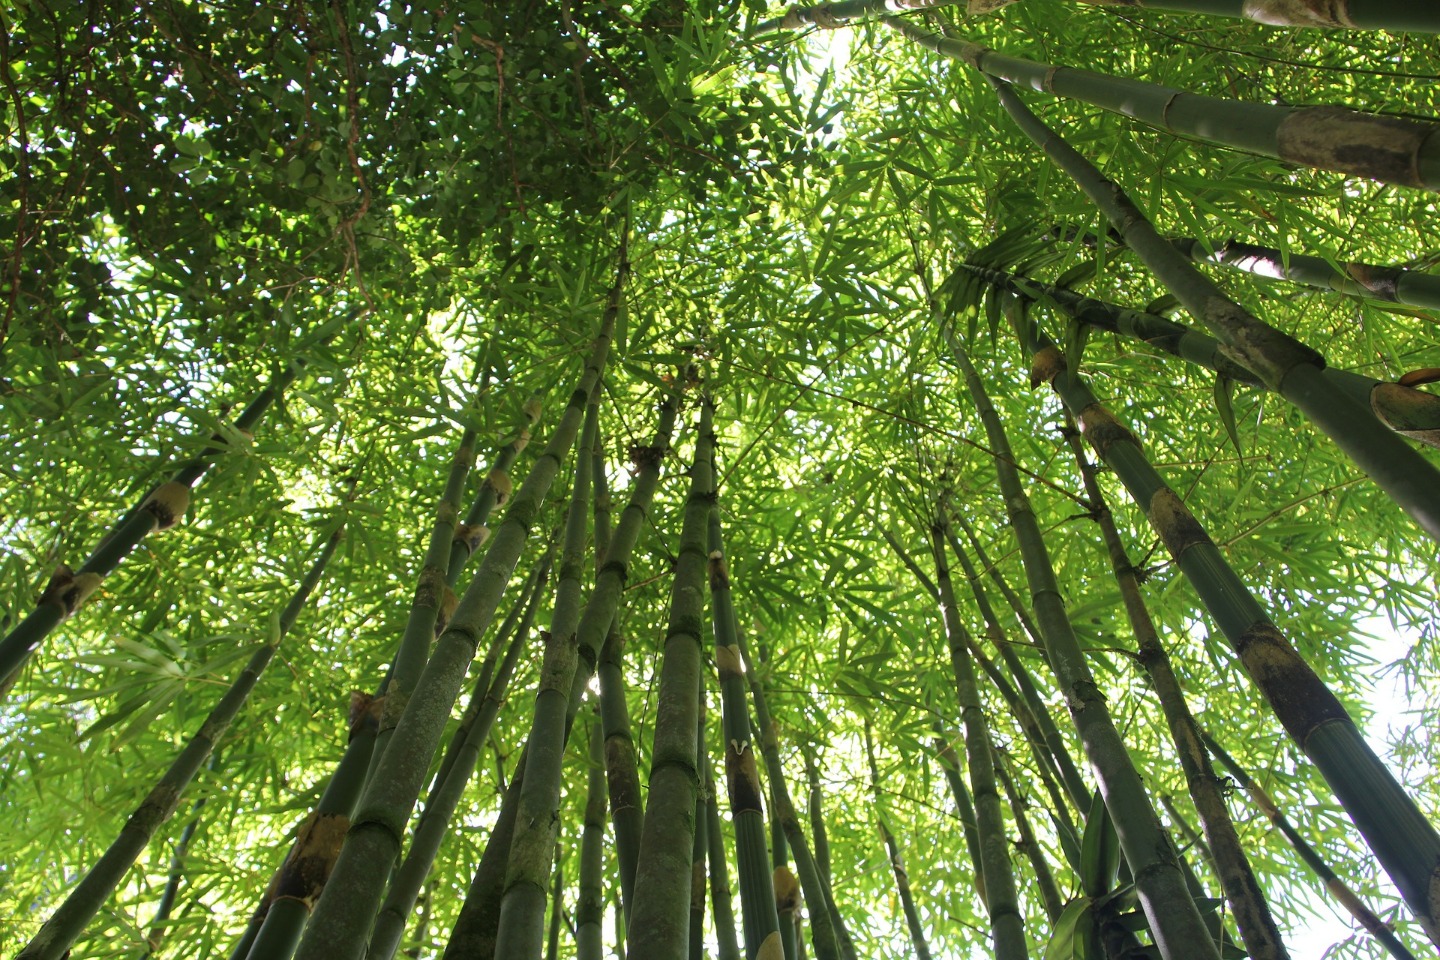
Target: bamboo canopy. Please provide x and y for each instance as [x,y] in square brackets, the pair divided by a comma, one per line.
[521,480]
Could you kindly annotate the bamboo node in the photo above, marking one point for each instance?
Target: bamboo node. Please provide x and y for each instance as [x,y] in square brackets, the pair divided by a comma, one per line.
[1175,523]
[449,600]
[771,948]
[499,481]
[168,502]
[521,441]
[787,890]
[719,576]
[728,661]
[68,591]
[1047,364]
[532,410]
[473,537]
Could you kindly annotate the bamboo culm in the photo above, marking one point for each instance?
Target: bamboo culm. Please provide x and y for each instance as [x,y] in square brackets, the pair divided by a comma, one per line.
[1285,365]
[1406,844]
[340,925]
[1174,920]
[69,920]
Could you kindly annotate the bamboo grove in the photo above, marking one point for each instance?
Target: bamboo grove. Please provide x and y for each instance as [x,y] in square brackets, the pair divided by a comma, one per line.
[686,479]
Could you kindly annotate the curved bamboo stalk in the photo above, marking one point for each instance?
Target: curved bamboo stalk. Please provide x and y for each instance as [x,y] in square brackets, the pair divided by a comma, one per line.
[69,920]
[1392,15]
[1334,886]
[1174,920]
[659,920]
[1287,366]
[163,507]
[522,907]
[339,928]
[1007,928]
[1406,844]
[1387,149]
[1258,929]
[897,863]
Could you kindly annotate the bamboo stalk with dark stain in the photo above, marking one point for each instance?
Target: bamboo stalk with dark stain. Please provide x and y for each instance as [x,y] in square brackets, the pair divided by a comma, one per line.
[69,920]
[1002,901]
[339,927]
[1334,885]
[660,917]
[1248,905]
[1174,920]
[1388,149]
[1404,841]
[897,862]
[522,907]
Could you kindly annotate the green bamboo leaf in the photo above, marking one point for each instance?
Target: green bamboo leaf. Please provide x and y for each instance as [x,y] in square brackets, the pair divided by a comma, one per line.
[1100,850]
[1224,395]
[1073,934]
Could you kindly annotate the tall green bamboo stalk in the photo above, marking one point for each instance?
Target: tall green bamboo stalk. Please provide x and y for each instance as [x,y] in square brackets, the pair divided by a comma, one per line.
[1044,877]
[168,896]
[590,908]
[828,933]
[699,846]
[163,507]
[69,920]
[472,533]
[557,888]
[1286,366]
[1002,900]
[1252,914]
[473,935]
[814,798]
[522,907]
[1174,920]
[949,763]
[433,599]
[278,921]
[897,862]
[339,927]
[720,902]
[659,919]
[440,805]
[1406,844]
[1383,148]
[1335,886]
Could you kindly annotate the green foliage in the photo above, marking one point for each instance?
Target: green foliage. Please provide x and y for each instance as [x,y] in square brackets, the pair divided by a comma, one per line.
[422,204]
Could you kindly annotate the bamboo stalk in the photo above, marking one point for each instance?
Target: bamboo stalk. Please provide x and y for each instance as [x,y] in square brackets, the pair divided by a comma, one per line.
[1336,887]
[473,935]
[1002,901]
[949,765]
[162,508]
[1174,920]
[830,16]
[1376,147]
[897,863]
[828,933]
[160,922]
[1406,844]
[1044,877]
[590,908]
[659,919]
[1257,926]
[445,796]
[69,920]
[720,902]
[432,601]
[699,846]
[340,925]
[522,907]
[1412,413]
[1285,365]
